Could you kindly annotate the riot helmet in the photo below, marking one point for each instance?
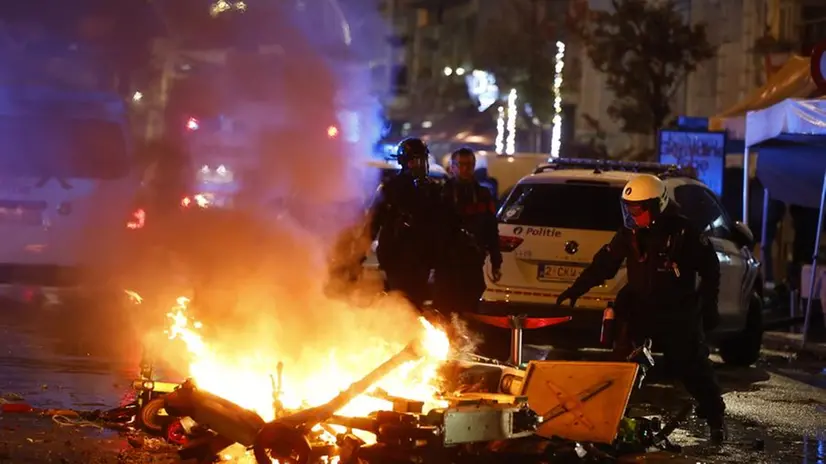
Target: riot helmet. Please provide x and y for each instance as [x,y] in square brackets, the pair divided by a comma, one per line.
[414,157]
[644,198]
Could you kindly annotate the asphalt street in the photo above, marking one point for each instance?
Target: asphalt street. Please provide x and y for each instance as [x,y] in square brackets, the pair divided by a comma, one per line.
[61,358]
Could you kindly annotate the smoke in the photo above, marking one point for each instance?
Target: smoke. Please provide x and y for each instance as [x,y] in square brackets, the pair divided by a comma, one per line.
[273,282]
[326,116]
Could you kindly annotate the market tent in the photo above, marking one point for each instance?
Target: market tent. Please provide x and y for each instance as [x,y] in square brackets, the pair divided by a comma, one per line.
[793,80]
[791,139]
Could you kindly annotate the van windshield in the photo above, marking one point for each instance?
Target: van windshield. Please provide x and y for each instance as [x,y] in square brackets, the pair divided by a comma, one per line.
[565,206]
[72,148]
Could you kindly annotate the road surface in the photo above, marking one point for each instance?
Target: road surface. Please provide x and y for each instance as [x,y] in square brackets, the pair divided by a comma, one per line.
[67,358]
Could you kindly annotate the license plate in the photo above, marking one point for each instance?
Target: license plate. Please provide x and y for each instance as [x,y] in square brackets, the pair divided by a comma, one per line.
[558,273]
[23,213]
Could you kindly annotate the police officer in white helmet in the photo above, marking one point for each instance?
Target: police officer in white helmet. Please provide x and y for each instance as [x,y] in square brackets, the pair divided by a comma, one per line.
[664,254]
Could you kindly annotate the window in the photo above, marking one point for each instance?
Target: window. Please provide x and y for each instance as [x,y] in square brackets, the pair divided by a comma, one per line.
[400,79]
[701,207]
[591,206]
[53,146]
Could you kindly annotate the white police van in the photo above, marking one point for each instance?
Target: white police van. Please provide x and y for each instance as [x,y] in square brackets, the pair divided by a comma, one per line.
[555,220]
[67,188]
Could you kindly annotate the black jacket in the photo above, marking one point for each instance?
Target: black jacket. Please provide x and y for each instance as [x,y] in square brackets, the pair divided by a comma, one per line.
[407,220]
[663,263]
[477,212]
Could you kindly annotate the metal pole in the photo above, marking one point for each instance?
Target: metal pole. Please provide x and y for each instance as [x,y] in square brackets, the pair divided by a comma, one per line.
[812,283]
[746,168]
[765,226]
[794,301]
[765,247]
[516,346]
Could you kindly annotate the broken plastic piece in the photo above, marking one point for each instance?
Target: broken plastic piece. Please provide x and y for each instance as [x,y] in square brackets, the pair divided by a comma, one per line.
[16,408]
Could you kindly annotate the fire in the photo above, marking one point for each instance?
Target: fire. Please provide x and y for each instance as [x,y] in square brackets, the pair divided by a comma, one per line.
[251,379]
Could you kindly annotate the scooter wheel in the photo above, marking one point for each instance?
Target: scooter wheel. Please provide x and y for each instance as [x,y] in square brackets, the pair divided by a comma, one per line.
[286,444]
[150,418]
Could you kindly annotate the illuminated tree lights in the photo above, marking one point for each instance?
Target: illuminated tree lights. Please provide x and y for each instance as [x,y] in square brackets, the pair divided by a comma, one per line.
[556,132]
[506,126]
[500,131]
[510,147]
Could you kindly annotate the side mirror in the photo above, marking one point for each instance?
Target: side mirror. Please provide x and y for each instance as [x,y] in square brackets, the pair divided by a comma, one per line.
[742,235]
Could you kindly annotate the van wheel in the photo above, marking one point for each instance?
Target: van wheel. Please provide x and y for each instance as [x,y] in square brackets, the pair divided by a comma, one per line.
[743,349]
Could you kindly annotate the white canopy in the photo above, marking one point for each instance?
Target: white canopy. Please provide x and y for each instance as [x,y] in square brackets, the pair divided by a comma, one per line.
[789,138]
[792,116]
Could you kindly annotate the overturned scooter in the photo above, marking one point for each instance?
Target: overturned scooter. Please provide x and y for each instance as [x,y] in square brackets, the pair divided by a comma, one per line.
[284,439]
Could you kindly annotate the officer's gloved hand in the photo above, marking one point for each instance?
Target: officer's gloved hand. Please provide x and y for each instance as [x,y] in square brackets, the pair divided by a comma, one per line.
[496,274]
[568,294]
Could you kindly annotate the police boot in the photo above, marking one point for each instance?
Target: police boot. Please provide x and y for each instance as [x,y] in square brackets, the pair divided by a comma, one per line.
[718,432]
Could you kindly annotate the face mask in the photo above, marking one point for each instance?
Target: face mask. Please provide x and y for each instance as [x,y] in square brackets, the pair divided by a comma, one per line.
[637,216]
[419,168]
[643,219]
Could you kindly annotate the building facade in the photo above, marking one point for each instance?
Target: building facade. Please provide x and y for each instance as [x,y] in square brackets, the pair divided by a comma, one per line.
[434,50]
[753,39]
[429,51]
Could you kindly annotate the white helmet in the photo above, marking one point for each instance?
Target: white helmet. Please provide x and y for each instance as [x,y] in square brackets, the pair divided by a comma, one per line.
[644,198]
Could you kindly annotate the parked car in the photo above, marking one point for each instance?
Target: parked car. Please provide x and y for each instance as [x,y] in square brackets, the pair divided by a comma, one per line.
[68,191]
[555,220]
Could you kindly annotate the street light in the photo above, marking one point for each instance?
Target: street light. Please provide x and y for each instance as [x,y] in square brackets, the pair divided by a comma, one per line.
[460,71]
[137,96]
[221,6]
[448,71]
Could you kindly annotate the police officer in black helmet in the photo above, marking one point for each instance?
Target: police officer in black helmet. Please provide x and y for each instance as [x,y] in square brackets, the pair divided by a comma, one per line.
[407,216]
[664,255]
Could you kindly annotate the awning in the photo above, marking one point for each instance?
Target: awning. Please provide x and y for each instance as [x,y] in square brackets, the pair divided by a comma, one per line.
[793,80]
[790,137]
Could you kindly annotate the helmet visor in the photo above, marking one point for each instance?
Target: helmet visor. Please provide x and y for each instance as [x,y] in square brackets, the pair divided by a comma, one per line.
[635,209]
[419,167]
[637,214]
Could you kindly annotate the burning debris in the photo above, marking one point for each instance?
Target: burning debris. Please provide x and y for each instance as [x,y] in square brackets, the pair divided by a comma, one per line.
[318,434]
[395,413]
[417,406]
[249,381]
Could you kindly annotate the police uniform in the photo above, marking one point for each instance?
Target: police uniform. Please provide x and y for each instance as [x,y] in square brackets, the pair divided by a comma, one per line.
[460,279]
[408,216]
[661,300]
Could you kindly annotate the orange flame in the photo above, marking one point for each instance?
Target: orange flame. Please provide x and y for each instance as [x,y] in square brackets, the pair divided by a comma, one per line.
[247,379]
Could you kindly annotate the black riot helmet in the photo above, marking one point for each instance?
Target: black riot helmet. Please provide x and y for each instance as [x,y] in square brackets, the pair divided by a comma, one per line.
[414,157]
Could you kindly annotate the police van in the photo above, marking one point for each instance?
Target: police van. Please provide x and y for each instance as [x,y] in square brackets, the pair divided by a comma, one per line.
[67,188]
[554,222]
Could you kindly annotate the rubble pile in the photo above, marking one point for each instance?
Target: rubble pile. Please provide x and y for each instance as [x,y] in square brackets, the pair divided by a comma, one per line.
[490,417]
[486,411]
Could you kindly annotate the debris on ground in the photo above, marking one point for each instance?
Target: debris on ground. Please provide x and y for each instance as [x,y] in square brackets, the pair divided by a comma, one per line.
[548,412]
